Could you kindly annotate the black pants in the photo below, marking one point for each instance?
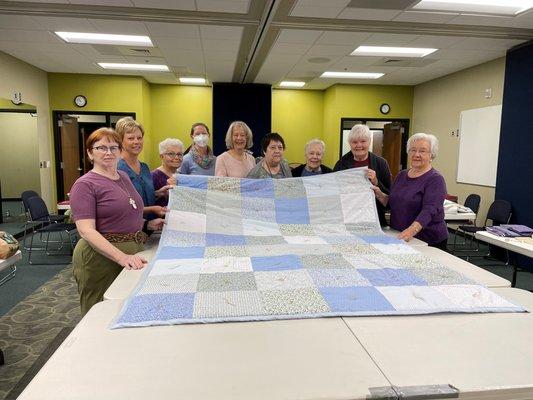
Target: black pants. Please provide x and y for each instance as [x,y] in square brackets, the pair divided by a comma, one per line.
[440,245]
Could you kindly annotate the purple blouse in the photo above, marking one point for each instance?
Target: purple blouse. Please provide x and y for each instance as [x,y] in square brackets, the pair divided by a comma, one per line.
[160,179]
[419,199]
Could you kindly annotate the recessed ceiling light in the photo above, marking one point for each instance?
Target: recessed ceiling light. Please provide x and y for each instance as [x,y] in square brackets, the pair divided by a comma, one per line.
[392,51]
[194,81]
[291,84]
[352,75]
[507,7]
[104,38]
[134,67]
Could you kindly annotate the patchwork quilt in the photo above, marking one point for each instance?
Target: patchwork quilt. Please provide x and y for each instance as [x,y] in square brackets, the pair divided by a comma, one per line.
[262,249]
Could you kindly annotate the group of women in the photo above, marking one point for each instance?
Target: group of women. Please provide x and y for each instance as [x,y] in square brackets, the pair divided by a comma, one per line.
[120,202]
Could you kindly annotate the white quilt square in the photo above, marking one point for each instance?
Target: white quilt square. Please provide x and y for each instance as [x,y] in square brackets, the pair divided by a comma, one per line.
[394,248]
[304,240]
[415,298]
[226,264]
[186,221]
[473,296]
[260,228]
[177,266]
[358,207]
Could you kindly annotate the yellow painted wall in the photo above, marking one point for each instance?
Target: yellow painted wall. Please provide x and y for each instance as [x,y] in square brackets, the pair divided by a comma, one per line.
[437,106]
[6,104]
[174,109]
[298,116]
[104,93]
[361,101]
[33,84]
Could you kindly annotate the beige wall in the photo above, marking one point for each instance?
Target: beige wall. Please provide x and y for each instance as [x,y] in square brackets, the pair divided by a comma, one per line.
[33,84]
[19,154]
[437,105]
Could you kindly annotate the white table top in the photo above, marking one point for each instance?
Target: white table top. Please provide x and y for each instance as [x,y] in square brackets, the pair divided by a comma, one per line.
[451,212]
[6,262]
[469,270]
[291,359]
[511,244]
[480,354]
[394,233]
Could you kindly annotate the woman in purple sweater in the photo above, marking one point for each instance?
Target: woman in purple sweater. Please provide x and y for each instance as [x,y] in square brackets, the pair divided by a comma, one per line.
[417,195]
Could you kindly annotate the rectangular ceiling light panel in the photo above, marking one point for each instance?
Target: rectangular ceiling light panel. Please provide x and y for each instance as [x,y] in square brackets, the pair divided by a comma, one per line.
[352,75]
[194,81]
[291,84]
[503,7]
[392,51]
[104,38]
[134,67]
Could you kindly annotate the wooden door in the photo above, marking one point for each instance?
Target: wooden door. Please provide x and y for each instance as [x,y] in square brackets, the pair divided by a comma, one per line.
[70,156]
[392,146]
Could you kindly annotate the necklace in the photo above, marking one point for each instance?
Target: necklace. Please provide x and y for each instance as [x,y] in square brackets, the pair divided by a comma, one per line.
[270,171]
[127,193]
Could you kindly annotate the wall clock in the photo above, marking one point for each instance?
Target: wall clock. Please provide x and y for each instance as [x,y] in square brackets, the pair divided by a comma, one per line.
[384,108]
[80,100]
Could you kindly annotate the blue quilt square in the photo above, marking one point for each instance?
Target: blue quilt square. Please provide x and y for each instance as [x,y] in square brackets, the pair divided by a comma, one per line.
[276,263]
[159,307]
[257,188]
[382,239]
[355,299]
[170,253]
[220,239]
[391,277]
[292,211]
[193,181]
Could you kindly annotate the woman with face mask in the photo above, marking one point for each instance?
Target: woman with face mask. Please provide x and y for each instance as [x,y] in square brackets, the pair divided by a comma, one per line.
[200,159]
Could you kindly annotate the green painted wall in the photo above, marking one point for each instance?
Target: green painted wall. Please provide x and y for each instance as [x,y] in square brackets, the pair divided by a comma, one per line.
[298,116]
[174,109]
[104,93]
[361,101]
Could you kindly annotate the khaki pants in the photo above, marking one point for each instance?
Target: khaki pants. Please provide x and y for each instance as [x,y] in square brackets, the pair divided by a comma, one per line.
[94,273]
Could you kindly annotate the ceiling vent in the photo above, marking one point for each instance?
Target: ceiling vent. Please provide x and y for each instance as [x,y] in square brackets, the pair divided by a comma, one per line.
[141,52]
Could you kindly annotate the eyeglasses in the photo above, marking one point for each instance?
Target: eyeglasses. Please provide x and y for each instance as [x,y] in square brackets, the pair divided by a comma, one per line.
[105,149]
[422,152]
[173,155]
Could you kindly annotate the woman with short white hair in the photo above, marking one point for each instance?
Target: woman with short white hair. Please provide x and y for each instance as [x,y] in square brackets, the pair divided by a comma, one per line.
[417,195]
[171,155]
[314,151]
[359,156]
[237,161]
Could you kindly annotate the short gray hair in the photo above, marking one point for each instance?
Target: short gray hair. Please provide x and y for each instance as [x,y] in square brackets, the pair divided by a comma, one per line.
[315,141]
[431,139]
[359,131]
[165,144]
[229,138]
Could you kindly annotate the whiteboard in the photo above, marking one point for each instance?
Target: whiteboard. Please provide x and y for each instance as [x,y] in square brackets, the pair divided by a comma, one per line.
[479,140]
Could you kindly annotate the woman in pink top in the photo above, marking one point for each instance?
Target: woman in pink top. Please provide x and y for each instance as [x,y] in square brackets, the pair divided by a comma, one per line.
[237,161]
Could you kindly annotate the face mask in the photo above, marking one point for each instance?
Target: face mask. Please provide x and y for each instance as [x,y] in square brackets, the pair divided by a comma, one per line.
[201,140]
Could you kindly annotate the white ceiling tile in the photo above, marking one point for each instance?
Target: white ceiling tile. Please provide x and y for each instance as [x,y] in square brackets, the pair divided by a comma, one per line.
[145,60]
[322,3]
[214,56]
[459,54]
[343,38]
[166,78]
[352,62]
[485,44]
[166,4]
[329,50]
[427,17]
[316,12]
[19,22]
[435,42]
[290,48]
[220,45]
[524,20]
[389,39]
[298,36]
[21,36]
[368,14]
[46,1]
[166,42]
[483,20]
[119,27]
[119,3]
[235,6]
[221,32]
[222,72]
[65,24]
[184,31]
